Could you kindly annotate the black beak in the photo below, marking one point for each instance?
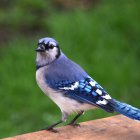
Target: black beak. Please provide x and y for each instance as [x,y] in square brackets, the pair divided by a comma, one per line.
[40,49]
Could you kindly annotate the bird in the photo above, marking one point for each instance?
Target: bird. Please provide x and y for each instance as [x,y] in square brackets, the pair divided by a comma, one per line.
[70,87]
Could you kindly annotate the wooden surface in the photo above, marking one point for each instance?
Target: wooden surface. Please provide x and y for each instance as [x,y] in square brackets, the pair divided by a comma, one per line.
[111,128]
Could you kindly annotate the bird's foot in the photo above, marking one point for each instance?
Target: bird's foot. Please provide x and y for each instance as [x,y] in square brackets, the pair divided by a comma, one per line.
[74,124]
[50,129]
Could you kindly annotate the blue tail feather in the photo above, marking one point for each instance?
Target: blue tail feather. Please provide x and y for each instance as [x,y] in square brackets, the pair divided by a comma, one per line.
[127,110]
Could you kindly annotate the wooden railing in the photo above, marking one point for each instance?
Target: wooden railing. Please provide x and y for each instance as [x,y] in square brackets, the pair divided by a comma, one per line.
[111,128]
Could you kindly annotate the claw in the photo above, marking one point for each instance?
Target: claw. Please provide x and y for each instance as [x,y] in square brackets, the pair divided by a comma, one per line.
[50,129]
[74,124]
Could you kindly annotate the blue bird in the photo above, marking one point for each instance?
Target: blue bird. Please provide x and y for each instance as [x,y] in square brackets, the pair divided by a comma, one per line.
[70,87]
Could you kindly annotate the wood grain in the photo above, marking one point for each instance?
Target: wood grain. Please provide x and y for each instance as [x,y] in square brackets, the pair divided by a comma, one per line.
[111,128]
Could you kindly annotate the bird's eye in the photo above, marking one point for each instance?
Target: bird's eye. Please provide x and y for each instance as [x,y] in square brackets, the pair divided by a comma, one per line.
[51,46]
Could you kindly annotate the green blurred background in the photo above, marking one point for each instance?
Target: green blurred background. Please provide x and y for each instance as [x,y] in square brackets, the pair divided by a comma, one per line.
[102,36]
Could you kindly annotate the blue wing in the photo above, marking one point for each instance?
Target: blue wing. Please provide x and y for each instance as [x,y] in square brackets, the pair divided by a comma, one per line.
[86,91]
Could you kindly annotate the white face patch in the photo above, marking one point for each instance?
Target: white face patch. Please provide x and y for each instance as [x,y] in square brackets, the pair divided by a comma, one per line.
[52,53]
[47,57]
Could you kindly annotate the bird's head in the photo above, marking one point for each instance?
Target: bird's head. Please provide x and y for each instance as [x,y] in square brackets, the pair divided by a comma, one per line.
[47,51]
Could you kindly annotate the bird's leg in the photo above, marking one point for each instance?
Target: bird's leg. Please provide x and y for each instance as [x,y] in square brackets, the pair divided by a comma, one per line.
[50,128]
[64,118]
[73,122]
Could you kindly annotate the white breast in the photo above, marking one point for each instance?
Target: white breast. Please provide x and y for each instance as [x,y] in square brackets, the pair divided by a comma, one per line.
[65,104]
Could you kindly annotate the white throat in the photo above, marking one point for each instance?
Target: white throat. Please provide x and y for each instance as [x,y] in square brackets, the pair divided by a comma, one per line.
[45,58]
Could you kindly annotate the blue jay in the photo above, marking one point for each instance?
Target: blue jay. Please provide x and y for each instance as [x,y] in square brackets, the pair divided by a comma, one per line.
[70,87]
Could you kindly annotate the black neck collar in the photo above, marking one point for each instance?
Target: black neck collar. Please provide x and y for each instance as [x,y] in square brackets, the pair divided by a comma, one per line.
[40,66]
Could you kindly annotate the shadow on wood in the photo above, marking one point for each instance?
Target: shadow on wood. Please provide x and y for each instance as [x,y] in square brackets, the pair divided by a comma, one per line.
[111,128]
